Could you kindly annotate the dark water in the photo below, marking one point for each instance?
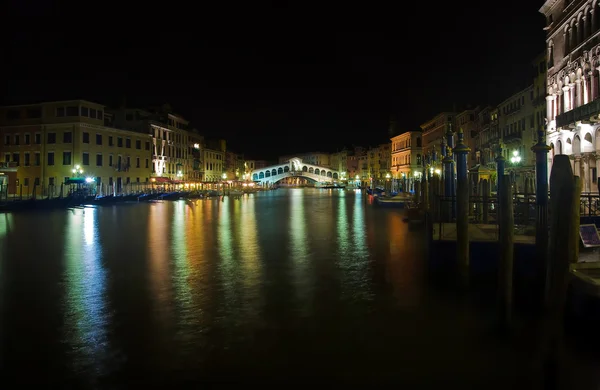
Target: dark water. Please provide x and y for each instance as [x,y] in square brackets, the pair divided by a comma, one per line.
[289,286]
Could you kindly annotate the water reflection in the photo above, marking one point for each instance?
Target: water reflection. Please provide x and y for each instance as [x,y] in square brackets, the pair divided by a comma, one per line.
[299,251]
[159,253]
[181,269]
[86,315]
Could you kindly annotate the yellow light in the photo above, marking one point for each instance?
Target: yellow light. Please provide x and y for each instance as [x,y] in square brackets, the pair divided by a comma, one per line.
[357,177]
[438,171]
[74,170]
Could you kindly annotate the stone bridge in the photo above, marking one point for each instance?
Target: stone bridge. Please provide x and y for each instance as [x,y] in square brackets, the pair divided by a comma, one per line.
[294,168]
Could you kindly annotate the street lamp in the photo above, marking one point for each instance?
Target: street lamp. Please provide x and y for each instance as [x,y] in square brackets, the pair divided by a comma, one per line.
[387,176]
[515,159]
[224,176]
[438,171]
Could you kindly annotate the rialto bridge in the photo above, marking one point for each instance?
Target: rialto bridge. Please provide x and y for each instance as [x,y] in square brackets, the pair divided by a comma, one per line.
[294,168]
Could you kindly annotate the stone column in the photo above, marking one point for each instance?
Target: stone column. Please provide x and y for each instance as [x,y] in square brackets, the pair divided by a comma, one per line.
[549,108]
[578,93]
[585,173]
[573,103]
[585,87]
[592,86]
[577,165]
[566,100]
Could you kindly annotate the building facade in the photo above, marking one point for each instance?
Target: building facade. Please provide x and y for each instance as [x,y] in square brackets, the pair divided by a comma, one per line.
[51,142]
[435,129]
[468,121]
[572,85]
[406,159]
[315,158]
[171,157]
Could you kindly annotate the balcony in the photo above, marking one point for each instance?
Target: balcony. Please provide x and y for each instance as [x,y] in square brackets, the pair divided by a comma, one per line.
[582,113]
[513,137]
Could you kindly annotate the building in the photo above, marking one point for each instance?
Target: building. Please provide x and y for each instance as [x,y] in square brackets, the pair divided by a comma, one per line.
[468,121]
[214,160]
[406,159]
[195,173]
[572,105]
[171,158]
[435,129]
[51,142]
[315,158]
[234,166]
[339,161]
[378,160]
[517,130]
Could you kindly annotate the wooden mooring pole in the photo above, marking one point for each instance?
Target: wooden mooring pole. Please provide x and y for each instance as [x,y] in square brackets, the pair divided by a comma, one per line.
[506,241]
[462,208]
[565,190]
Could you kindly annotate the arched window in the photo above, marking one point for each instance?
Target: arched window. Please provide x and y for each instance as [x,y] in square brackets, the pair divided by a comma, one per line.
[286,168]
[261,175]
[274,172]
[254,176]
[418,142]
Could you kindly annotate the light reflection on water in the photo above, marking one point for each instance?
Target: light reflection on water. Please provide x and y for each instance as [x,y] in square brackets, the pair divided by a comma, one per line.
[215,286]
[86,315]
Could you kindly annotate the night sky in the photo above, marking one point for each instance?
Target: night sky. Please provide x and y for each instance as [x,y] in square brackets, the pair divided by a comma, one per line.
[293,77]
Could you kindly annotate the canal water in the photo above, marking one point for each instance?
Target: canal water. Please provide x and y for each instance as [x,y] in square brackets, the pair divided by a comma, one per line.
[293,285]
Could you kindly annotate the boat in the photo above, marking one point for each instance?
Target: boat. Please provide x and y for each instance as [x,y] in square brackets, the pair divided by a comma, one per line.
[398,201]
[236,193]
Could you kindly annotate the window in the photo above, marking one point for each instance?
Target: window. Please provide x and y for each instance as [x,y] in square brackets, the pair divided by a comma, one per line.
[51,181]
[98,139]
[92,112]
[60,111]
[147,145]
[37,159]
[128,162]
[17,139]
[51,138]
[85,111]
[27,139]
[50,158]
[66,158]
[110,160]
[128,143]
[7,140]
[34,113]
[86,137]
[85,158]
[137,162]
[120,142]
[72,111]
[67,137]
[138,144]
[12,115]
[36,182]
[16,158]
[26,182]
[7,158]
[27,159]
[99,114]
[37,138]
[98,160]
[111,141]
[147,163]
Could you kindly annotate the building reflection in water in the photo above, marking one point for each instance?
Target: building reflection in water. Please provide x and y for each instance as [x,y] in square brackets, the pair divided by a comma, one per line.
[402,271]
[181,268]
[86,317]
[299,252]
[159,223]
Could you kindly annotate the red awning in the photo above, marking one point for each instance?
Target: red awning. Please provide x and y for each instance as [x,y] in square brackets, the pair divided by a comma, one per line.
[162,180]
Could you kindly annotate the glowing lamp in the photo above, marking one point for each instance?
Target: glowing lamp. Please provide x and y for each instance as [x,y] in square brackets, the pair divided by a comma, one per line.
[438,171]
[89,180]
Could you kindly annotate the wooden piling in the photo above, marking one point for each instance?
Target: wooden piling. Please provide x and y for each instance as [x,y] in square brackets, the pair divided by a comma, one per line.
[486,200]
[462,208]
[506,241]
[564,242]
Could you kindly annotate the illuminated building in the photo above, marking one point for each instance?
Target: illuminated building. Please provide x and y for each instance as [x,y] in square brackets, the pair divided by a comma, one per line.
[314,158]
[435,129]
[572,84]
[406,159]
[214,161]
[46,141]
[170,139]
[517,133]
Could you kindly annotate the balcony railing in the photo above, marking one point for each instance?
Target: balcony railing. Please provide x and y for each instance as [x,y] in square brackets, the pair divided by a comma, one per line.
[582,113]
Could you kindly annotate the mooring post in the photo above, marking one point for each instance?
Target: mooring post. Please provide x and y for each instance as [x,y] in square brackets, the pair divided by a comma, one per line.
[452,184]
[448,162]
[462,207]
[500,162]
[486,198]
[564,189]
[505,266]
[541,200]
